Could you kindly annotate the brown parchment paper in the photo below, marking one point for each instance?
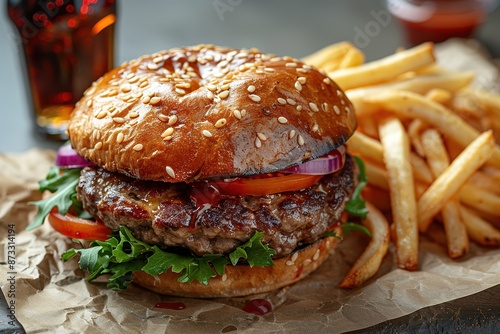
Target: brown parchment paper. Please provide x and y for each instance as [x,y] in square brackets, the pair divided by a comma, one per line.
[54,297]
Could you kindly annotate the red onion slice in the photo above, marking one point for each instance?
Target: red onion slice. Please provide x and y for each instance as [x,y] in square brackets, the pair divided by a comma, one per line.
[68,158]
[326,164]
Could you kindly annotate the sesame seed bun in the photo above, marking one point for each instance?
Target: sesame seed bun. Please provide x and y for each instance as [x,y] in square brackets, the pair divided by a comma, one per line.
[208,112]
[243,280]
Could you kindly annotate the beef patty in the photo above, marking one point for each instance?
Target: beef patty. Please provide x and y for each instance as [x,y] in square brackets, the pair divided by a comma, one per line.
[201,219]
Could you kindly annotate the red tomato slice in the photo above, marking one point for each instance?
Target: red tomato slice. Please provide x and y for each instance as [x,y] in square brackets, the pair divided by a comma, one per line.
[78,228]
[266,185]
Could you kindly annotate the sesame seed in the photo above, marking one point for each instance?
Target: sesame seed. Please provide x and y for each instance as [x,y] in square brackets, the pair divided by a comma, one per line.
[143,84]
[137,147]
[281,100]
[89,103]
[222,64]
[133,80]
[342,102]
[298,107]
[207,133]
[130,76]
[151,94]
[298,86]
[255,98]
[291,134]
[167,138]
[347,109]
[119,120]
[125,88]
[275,59]
[113,92]
[119,138]
[220,123]
[210,95]
[313,107]
[300,140]
[306,262]
[261,136]
[243,112]
[180,91]
[237,114]
[101,114]
[163,118]
[212,88]
[167,132]
[224,94]
[251,89]
[295,256]
[224,277]
[224,87]
[98,145]
[133,114]
[291,65]
[291,102]
[282,120]
[158,59]
[316,255]
[324,106]
[302,80]
[170,171]
[183,85]
[327,81]
[336,109]
[154,100]
[290,263]
[315,127]
[152,66]
[258,143]
[269,69]
[144,78]
[301,70]
[172,120]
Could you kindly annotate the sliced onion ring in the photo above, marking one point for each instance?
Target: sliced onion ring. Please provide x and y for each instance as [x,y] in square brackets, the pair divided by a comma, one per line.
[68,158]
[327,164]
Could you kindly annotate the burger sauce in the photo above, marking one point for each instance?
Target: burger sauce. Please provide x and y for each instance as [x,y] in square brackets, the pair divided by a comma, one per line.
[258,306]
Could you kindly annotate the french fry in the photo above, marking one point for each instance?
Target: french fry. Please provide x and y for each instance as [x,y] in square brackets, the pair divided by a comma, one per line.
[449,182]
[483,181]
[366,146]
[404,209]
[376,175]
[408,104]
[384,69]
[331,54]
[479,199]
[414,128]
[457,240]
[369,262]
[447,82]
[421,171]
[352,58]
[439,95]
[479,229]
[456,233]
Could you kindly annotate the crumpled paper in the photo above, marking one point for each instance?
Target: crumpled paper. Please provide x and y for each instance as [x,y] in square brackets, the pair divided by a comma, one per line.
[52,296]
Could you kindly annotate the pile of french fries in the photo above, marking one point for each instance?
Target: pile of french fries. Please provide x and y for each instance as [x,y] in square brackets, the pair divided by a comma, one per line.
[429,141]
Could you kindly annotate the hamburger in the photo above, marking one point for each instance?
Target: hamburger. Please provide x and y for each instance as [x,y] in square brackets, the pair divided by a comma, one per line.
[205,172]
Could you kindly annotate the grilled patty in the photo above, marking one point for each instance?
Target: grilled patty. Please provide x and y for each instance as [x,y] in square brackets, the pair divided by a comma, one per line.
[201,219]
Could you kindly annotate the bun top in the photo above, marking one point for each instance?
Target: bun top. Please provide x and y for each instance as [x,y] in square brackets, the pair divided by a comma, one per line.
[209,112]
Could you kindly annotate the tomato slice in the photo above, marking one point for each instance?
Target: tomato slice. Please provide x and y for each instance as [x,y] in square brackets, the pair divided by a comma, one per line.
[265,185]
[78,228]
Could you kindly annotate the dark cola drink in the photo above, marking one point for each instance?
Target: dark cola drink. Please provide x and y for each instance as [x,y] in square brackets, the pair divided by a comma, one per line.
[64,46]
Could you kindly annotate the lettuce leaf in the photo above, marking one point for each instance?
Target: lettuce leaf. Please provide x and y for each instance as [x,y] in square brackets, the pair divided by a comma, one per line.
[122,254]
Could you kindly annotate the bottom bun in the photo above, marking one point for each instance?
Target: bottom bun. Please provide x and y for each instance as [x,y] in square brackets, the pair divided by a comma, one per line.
[242,280]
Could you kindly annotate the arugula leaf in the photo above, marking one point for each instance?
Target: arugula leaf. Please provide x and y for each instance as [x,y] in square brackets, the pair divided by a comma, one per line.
[122,254]
[356,206]
[349,227]
[331,233]
[62,183]
[254,252]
